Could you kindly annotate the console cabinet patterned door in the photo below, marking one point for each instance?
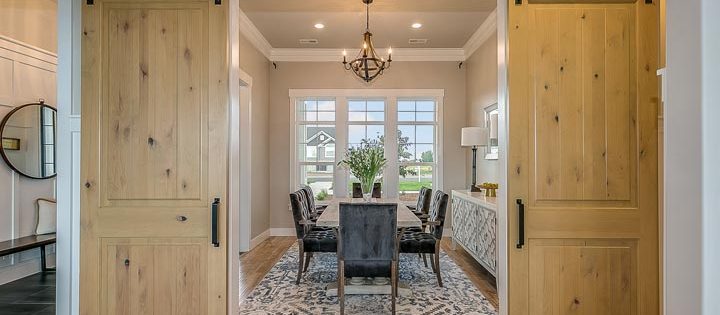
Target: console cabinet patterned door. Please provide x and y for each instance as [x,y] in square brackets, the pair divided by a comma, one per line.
[154,156]
[474,228]
[582,108]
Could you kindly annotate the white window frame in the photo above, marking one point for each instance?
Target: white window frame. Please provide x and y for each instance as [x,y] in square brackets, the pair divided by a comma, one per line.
[296,164]
[391,96]
[436,163]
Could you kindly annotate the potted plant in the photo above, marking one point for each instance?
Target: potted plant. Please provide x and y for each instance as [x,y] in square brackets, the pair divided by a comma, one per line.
[366,163]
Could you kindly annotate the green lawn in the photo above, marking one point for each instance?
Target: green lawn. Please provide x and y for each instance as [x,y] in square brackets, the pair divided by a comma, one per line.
[415,185]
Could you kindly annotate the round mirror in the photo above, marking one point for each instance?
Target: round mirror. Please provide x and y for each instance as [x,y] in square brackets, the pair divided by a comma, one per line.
[28,140]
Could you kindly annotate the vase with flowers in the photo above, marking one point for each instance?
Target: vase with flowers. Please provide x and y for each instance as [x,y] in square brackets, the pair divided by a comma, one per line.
[366,162]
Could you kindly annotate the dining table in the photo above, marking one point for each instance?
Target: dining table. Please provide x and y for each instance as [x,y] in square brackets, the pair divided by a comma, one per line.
[331,216]
[360,285]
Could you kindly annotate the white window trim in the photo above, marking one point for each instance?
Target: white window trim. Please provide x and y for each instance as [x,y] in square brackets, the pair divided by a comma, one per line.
[341,123]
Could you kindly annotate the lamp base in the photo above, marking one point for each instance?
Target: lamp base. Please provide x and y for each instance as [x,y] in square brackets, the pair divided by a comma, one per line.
[474,188]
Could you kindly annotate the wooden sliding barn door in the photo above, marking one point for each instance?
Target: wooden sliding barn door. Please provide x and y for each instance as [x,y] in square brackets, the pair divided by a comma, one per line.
[154,157]
[582,160]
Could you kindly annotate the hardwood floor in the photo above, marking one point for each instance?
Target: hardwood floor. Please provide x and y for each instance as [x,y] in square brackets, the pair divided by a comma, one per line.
[482,279]
[257,262]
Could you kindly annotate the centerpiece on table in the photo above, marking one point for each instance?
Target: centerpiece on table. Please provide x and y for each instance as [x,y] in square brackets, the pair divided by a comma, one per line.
[366,162]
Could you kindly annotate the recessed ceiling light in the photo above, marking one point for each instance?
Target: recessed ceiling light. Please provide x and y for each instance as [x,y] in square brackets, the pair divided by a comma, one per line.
[416,25]
[319,26]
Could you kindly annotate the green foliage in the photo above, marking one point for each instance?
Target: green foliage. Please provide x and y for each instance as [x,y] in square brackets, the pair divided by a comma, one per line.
[365,162]
[413,186]
[426,156]
[322,195]
[403,153]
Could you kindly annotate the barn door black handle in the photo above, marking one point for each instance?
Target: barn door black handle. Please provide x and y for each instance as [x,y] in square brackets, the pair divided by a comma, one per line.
[521,224]
[214,215]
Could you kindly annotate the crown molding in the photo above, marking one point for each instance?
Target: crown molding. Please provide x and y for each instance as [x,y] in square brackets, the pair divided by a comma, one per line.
[248,29]
[335,55]
[483,33]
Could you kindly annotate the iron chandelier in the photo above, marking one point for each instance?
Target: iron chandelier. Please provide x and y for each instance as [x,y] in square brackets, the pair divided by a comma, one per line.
[367,65]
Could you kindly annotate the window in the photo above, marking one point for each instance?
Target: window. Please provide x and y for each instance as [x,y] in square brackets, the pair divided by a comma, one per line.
[366,121]
[330,151]
[47,121]
[416,146]
[411,118]
[315,138]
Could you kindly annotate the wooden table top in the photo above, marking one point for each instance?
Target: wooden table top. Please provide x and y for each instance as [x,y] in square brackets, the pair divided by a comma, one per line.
[331,215]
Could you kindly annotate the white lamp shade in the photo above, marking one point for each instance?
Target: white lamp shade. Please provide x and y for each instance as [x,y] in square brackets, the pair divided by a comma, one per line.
[474,136]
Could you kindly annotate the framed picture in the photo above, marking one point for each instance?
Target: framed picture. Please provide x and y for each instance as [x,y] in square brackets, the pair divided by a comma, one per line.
[11,143]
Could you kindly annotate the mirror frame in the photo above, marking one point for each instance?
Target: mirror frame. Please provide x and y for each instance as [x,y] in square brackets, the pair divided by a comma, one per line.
[489,154]
[2,131]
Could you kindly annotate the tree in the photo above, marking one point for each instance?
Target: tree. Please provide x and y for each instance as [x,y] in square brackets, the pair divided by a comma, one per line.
[403,153]
[426,156]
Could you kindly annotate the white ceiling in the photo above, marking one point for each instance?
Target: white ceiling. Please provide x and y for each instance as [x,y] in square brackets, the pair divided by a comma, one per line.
[446,23]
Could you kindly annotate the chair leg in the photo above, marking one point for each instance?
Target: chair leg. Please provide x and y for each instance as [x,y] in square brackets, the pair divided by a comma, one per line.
[432,263]
[308,257]
[341,286]
[437,265]
[301,255]
[424,259]
[394,284]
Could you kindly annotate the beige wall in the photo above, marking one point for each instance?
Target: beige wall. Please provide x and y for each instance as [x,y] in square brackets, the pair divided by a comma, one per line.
[31,21]
[258,67]
[331,75]
[482,91]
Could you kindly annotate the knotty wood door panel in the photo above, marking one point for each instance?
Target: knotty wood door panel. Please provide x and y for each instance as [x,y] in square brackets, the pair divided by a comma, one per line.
[583,277]
[154,157]
[141,277]
[582,103]
[582,157]
[155,110]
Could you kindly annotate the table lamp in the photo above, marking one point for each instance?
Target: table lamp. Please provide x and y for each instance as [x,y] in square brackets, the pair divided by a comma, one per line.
[474,137]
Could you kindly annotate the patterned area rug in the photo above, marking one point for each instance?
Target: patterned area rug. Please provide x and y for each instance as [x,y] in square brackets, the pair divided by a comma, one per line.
[278,294]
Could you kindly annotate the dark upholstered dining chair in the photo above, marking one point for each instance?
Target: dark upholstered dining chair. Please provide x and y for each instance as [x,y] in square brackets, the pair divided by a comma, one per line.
[315,210]
[357,190]
[368,245]
[419,242]
[423,202]
[311,238]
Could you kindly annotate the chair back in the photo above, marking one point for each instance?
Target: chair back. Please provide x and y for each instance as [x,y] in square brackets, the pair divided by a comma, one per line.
[357,190]
[438,208]
[300,211]
[423,203]
[367,232]
[310,197]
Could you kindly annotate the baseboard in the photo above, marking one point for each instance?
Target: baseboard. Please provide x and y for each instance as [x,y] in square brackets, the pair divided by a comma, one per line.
[282,232]
[259,239]
[23,269]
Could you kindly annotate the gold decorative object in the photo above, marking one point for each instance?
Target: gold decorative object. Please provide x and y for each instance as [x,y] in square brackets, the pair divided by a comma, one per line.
[490,189]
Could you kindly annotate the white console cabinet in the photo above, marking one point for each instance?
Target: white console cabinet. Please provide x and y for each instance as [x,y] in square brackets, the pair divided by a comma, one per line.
[474,220]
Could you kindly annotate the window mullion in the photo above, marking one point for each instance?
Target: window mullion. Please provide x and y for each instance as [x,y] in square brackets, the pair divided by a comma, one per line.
[391,172]
[341,140]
